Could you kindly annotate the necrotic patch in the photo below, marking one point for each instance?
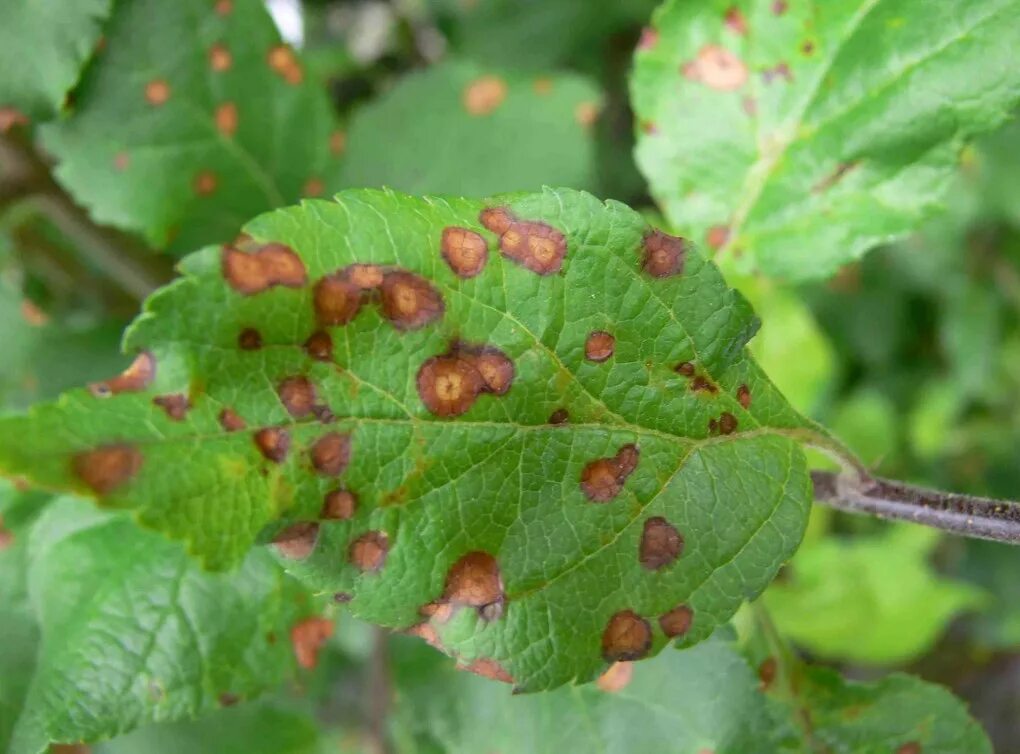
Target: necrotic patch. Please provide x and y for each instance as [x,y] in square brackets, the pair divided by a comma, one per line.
[106,468]
[535,245]
[268,265]
[339,505]
[676,622]
[273,443]
[307,637]
[138,376]
[409,301]
[336,299]
[603,478]
[331,453]
[599,346]
[663,254]
[231,421]
[249,339]
[661,544]
[320,346]
[297,394]
[464,251]
[368,552]
[176,405]
[474,581]
[297,541]
[627,636]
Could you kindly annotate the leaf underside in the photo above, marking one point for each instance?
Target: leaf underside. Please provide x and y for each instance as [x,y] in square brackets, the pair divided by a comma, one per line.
[526,428]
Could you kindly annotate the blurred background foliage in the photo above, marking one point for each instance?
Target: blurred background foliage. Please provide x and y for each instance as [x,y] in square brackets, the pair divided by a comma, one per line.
[911,355]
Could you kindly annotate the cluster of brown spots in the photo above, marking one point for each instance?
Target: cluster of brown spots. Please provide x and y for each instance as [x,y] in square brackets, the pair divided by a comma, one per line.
[331,453]
[220,58]
[138,376]
[744,396]
[559,416]
[616,677]
[297,394]
[649,38]
[586,113]
[464,250]
[735,21]
[717,236]
[106,468]
[450,383]
[231,421]
[297,541]
[663,254]
[11,117]
[535,245]
[488,669]
[717,68]
[779,71]
[603,478]
[676,622]
[157,92]
[284,63]
[268,265]
[121,161]
[483,95]
[339,505]
[368,552]
[319,346]
[223,7]
[911,747]
[313,187]
[307,637]
[767,673]
[661,544]
[702,384]
[542,86]
[273,443]
[474,581]
[627,636]
[726,424]
[337,143]
[175,405]
[599,346]
[409,301]
[684,368]
[249,339]
[205,183]
[834,177]
[226,119]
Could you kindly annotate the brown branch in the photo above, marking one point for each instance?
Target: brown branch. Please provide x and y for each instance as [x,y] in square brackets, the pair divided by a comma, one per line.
[966,515]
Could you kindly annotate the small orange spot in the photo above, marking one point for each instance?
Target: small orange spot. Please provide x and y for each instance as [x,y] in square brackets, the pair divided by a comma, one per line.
[717,68]
[226,118]
[176,406]
[474,581]
[157,92]
[273,443]
[542,86]
[249,339]
[368,552]
[664,254]
[409,301]
[205,183]
[106,468]
[313,187]
[337,143]
[767,673]
[319,346]
[223,7]
[331,453]
[487,669]
[616,677]
[339,505]
[627,637]
[661,544]
[717,236]
[307,638]
[231,421]
[220,58]
[297,394]
[586,113]
[483,95]
[269,265]
[677,621]
[464,250]
[744,396]
[603,478]
[284,63]
[599,346]
[121,161]
[297,541]
[135,378]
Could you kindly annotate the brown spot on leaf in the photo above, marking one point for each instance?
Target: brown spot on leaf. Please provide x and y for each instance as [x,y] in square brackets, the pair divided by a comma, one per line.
[138,376]
[559,416]
[106,468]
[744,396]
[717,236]
[175,405]
[409,301]
[157,92]
[684,368]
[249,339]
[535,245]
[368,552]
[497,219]
[231,421]
[661,544]
[307,637]
[228,700]
[717,68]
[736,22]
[365,276]
[911,747]
[226,119]
[616,677]
[603,478]
[627,637]
[223,7]
[273,443]
[313,187]
[319,346]
[269,265]
[483,95]
[663,254]
[331,453]
[649,38]
[808,47]
[284,63]
[220,58]
[205,183]
[337,143]
[337,300]
[767,673]
[426,631]
[586,113]
[297,541]
[496,370]
[474,581]
[448,385]
[487,669]
[297,394]
[599,346]
[542,86]
[464,250]
[677,621]
[339,505]
[702,384]
[727,423]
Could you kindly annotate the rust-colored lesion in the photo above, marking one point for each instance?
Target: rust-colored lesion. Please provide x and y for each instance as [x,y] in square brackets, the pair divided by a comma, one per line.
[661,544]
[331,453]
[176,405]
[260,267]
[297,541]
[107,468]
[599,346]
[677,622]
[717,68]
[534,245]
[409,301]
[450,383]
[138,376]
[339,505]
[475,581]
[284,63]
[273,443]
[307,637]
[368,552]
[627,637]
[663,255]
[464,251]
[298,396]
[603,479]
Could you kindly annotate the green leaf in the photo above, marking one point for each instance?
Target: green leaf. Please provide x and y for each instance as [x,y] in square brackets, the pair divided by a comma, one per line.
[839,601]
[194,118]
[795,136]
[132,632]
[43,46]
[458,128]
[611,419]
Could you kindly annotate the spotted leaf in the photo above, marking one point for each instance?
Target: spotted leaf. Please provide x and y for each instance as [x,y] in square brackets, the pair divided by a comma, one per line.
[449,457]
[794,135]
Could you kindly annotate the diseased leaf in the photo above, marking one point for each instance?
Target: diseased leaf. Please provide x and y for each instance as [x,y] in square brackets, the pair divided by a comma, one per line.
[458,128]
[528,425]
[133,633]
[43,46]
[794,136]
[194,118]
